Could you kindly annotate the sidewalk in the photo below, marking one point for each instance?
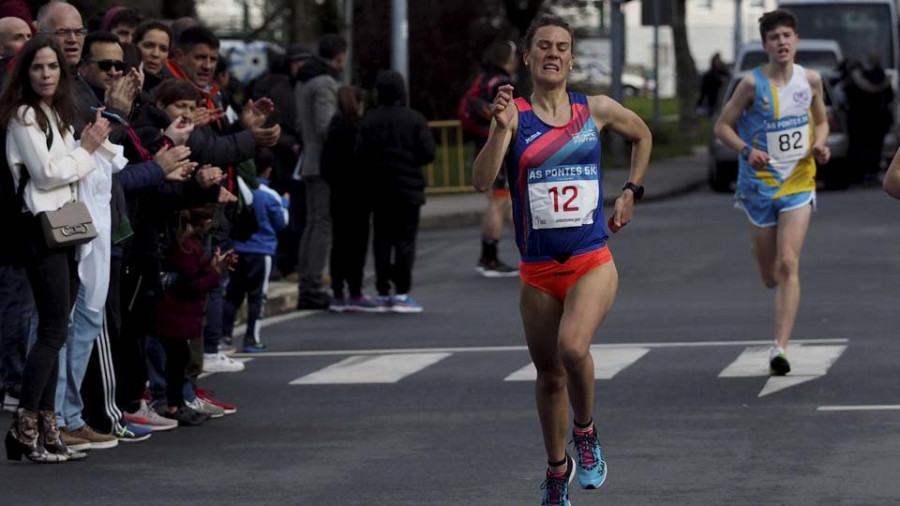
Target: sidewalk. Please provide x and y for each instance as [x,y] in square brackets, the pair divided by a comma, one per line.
[665,179]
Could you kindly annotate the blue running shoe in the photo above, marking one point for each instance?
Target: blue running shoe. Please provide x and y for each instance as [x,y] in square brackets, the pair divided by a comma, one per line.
[556,489]
[405,304]
[255,348]
[364,304]
[591,468]
[131,433]
[384,303]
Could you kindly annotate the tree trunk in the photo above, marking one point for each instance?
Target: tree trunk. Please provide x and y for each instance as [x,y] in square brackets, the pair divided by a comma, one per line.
[685,73]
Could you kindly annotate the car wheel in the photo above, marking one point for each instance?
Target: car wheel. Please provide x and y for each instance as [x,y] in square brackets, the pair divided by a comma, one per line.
[721,175]
[629,91]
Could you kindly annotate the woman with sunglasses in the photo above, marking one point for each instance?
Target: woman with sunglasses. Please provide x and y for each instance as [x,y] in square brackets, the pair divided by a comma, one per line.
[38,108]
[569,278]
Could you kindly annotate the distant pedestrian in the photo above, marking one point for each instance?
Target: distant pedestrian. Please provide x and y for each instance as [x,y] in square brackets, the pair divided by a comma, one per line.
[316,92]
[869,98]
[250,278]
[782,130]
[712,84]
[395,142]
[351,211]
[475,116]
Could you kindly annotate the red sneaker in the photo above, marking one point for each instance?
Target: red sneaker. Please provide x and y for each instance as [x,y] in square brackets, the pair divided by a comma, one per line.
[207,395]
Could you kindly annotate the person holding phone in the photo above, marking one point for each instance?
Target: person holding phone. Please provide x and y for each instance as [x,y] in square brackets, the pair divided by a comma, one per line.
[782,130]
[39,111]
[551,143]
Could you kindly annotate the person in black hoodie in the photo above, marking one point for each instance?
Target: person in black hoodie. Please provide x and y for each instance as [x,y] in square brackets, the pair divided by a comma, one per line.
[395,142]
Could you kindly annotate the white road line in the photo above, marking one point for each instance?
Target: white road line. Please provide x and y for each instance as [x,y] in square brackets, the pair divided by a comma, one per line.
[607,363]
[807,363]
[273,320]
[482,349]
[361,369]
[887,407]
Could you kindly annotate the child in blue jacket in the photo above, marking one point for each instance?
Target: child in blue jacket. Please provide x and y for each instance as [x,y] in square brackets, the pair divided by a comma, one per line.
[250,278]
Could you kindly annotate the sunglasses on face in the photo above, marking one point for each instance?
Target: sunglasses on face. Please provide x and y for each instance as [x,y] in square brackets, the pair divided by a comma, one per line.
[106,65]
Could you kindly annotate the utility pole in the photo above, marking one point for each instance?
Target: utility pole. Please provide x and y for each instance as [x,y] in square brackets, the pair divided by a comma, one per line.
[738,28]
[400,39]
[348,36]
[617,34]
[656,20]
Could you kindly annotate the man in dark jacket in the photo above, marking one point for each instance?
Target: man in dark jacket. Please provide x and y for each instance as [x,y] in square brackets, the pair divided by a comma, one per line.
[316,94]
[102,70]
[396,142]
[217,142]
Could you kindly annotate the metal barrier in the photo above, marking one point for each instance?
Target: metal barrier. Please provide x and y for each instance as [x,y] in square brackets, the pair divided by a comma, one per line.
[450,171]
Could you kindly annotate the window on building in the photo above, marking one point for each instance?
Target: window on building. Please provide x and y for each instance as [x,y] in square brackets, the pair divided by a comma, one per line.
[758,3]
[705,4]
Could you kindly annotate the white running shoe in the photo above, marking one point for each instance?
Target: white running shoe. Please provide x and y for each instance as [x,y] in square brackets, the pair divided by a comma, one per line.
[219,362]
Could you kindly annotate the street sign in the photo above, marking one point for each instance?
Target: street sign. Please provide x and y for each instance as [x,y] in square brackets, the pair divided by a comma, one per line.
[666,12]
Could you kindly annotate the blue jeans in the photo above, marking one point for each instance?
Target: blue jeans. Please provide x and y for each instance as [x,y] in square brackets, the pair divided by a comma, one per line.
[156,372]
[73,361]
[16,306]
[215,316]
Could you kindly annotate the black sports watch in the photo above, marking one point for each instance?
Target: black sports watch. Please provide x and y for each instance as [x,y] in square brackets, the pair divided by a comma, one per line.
[637,190]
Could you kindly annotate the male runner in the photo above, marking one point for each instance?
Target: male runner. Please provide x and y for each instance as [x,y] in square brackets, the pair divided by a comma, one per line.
[781,133]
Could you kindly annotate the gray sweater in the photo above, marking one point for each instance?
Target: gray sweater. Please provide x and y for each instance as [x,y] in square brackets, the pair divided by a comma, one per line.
[316,104]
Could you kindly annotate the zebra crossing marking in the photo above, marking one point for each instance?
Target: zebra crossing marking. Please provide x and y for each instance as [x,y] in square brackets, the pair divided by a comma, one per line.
[363,369]
[807,363]
[607,363]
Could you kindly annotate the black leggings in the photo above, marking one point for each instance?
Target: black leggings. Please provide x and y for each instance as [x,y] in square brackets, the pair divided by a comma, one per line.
[53,275]
[396,226]
[177,357]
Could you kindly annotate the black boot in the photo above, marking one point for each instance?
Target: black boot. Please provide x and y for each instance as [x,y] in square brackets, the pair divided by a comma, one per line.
[23,438]
[51,440]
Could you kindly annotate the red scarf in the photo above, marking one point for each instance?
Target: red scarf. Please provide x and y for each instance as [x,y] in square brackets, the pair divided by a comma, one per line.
[207,96]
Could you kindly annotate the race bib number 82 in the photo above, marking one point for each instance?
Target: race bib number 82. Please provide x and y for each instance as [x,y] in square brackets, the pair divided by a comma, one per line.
[787,140]
[564,196]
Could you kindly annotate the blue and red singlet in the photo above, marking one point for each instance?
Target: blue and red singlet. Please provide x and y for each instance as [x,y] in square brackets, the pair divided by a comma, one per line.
[557,196]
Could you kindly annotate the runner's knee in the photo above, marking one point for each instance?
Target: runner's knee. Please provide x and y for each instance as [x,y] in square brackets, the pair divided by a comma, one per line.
[572,356]
[551,380]
[787,266]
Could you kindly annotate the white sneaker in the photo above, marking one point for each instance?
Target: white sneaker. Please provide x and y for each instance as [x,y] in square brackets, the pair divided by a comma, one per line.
[147,418]
[205,407]
[219,362]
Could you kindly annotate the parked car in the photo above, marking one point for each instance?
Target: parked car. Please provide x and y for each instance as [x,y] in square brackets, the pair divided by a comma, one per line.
[594,75]
[816,54]
[723,161]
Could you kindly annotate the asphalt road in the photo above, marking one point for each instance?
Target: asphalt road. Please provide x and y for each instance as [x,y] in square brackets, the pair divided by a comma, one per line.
[685,412]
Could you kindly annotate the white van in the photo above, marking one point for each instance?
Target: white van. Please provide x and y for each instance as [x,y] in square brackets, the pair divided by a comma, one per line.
[860,27]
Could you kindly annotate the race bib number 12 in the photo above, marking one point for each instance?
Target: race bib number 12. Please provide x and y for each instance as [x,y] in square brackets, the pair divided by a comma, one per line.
[565,196]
